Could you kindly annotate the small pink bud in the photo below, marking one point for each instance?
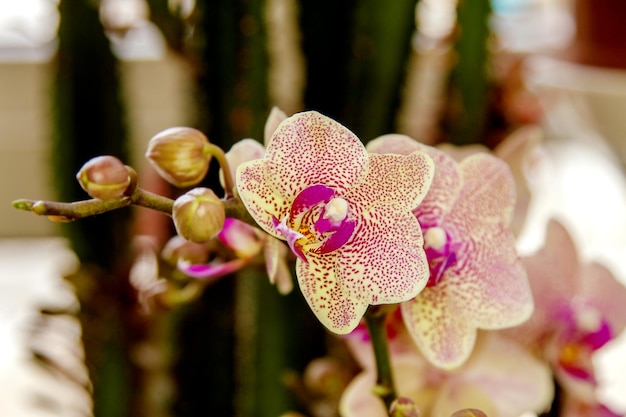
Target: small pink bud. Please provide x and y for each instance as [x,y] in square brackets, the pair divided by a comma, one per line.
[180,155]
[198,215]
[403,407]
[104,177]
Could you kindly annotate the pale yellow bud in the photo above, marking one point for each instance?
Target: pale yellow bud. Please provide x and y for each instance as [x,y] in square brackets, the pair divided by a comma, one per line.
[180,155]
[198,215]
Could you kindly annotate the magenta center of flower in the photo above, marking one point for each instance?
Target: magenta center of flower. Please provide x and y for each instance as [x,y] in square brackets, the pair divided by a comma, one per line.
[440,253]
[318,222]
[583,330]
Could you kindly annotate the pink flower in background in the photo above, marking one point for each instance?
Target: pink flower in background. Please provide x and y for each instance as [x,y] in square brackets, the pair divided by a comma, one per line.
[578,309]
[500,378]
[477,280]
[346,214]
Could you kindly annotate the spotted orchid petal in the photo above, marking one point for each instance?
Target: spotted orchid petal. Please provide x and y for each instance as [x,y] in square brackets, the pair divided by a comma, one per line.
[494,274]
[308,149]
[275,117]
[243,151]
[445,339]
[344,212]
[447,179]
[487,286]
[477,280]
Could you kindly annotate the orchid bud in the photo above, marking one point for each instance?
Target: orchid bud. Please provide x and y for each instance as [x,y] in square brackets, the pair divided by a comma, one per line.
[403,407]
[198,215]
[180,155]
[177,249]
[104,177]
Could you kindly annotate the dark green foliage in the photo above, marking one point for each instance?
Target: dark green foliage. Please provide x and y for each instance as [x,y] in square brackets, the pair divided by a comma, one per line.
[88,120]
[469,86]
[356,54]
[88,117]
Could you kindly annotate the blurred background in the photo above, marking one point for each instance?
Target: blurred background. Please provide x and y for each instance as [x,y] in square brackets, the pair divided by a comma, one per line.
[82,78]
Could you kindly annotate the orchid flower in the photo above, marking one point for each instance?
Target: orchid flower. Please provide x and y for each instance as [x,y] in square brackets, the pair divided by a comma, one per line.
[579,308]
[500,378]
[477,281]
[346,215]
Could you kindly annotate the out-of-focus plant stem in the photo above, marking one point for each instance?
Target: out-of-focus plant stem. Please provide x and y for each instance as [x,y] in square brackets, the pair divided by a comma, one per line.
[469,88]
[88,121]
[356,65]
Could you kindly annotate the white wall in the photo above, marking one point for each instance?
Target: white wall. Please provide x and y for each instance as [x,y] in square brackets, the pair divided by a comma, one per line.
[156,99]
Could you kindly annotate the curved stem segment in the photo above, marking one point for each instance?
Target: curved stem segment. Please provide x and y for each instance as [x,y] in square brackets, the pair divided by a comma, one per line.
[220,156]
[375,319]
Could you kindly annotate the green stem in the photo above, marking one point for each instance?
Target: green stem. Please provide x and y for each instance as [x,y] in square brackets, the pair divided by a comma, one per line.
[229,183]
[71,211]
[86,208]
[235,209]
[375,319]
[153,201]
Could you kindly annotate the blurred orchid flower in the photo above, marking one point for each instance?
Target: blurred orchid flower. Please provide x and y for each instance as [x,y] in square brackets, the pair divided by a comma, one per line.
[346,215]
[246,242]
[477,280]
[500,378]
[579,308]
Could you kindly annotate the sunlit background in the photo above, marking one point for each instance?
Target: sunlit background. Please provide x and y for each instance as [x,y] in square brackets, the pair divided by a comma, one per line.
[583,160]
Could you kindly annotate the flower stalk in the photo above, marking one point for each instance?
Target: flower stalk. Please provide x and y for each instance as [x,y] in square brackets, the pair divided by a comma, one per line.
[219,154]
[375,317]
[60,211]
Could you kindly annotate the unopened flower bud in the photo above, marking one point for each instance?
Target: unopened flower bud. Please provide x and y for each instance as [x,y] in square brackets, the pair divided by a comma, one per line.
[198,215]
[180,155]
[177,249]
[104,177]
[403,407]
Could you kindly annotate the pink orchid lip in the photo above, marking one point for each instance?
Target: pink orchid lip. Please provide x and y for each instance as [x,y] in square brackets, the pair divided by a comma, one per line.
[308,204]
[440,259]
[593,337]
[309,198]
